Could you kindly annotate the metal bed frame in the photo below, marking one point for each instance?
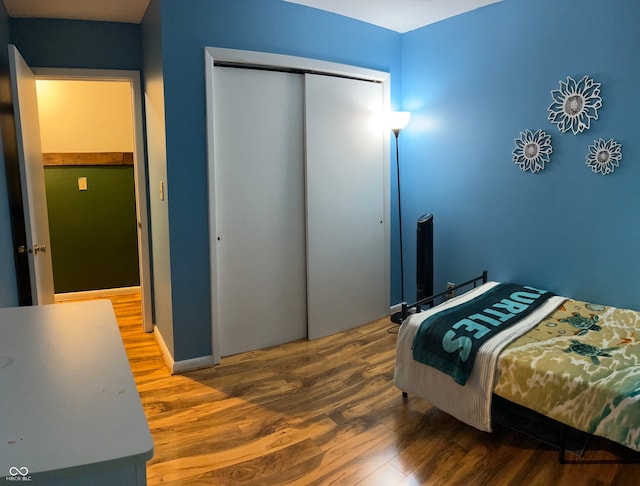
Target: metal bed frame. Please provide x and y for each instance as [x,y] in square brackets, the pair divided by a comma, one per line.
[564,434]
[406,308]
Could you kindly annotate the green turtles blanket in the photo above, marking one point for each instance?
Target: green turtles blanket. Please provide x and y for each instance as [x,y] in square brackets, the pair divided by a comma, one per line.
[450,339]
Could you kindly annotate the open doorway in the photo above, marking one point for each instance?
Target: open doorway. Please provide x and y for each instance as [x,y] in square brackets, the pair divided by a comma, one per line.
[91,130]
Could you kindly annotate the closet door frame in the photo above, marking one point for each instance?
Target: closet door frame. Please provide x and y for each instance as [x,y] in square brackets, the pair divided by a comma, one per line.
[220,56]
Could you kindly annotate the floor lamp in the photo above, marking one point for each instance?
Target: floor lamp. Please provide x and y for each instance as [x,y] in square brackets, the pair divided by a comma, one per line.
[397,121]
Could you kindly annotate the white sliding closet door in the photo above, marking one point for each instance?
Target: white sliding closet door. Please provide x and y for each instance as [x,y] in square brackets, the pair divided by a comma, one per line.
[259,199]
[345,204]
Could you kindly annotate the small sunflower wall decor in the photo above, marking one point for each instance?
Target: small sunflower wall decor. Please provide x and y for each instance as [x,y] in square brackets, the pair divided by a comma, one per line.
[575,104]
[604,157]
[533,150]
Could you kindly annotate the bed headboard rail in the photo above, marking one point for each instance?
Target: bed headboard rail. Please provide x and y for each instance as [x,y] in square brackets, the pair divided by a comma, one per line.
[430,301]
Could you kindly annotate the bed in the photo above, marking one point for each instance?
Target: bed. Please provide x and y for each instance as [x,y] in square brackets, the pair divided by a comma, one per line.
[574,362]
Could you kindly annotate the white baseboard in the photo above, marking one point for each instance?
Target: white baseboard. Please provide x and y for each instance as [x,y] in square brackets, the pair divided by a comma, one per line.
[192,364]
[395,308]
[176,367]
[164,350]
[95,294]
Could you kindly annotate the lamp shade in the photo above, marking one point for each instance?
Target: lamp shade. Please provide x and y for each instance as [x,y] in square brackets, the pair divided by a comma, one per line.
[397,120]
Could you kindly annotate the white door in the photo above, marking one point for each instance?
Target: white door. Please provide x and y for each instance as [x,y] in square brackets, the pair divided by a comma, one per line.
[25,106]
[346,284]
[259,208]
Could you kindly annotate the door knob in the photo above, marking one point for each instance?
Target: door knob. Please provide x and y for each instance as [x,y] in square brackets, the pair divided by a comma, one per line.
[39,249]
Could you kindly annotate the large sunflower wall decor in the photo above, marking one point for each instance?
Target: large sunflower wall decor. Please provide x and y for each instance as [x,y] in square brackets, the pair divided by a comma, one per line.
[575,104]
[533,150]
[604,157]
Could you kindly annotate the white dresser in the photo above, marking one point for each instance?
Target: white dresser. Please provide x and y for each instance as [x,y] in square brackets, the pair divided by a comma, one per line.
[70,413]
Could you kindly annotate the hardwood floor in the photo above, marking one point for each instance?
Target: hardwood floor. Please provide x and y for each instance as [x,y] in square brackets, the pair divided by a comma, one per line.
[326,412]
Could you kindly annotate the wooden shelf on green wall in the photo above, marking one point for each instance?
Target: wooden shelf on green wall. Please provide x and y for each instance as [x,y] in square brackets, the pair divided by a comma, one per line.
[87,158]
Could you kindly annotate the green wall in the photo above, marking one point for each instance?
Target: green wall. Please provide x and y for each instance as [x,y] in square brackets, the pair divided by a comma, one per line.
[93,232]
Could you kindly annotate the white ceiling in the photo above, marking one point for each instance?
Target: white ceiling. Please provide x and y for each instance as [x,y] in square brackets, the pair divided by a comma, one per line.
[398,15]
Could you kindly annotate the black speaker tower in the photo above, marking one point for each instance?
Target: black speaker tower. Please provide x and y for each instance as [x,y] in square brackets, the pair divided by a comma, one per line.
[424,257]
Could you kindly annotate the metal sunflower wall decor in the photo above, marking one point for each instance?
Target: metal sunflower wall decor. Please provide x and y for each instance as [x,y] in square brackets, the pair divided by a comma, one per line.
[575,104]
[533,150]
[604,157]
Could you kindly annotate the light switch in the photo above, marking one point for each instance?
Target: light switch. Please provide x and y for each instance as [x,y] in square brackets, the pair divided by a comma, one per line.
[82,183]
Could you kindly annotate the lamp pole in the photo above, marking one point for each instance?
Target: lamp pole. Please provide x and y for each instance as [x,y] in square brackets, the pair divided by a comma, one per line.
[397,121]
[396,132]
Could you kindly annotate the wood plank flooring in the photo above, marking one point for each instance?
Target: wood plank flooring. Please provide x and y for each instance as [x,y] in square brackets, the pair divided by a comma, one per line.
[326,413]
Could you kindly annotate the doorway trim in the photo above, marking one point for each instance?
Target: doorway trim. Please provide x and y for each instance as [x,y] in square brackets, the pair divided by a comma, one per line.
[224,57]
[140,171]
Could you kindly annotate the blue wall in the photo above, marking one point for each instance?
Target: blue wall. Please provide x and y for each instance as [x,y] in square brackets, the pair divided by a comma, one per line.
[260,25]
[78,44]
[474,82]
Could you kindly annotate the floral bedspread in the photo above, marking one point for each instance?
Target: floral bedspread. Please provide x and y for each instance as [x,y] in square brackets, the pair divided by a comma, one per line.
[580,366]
